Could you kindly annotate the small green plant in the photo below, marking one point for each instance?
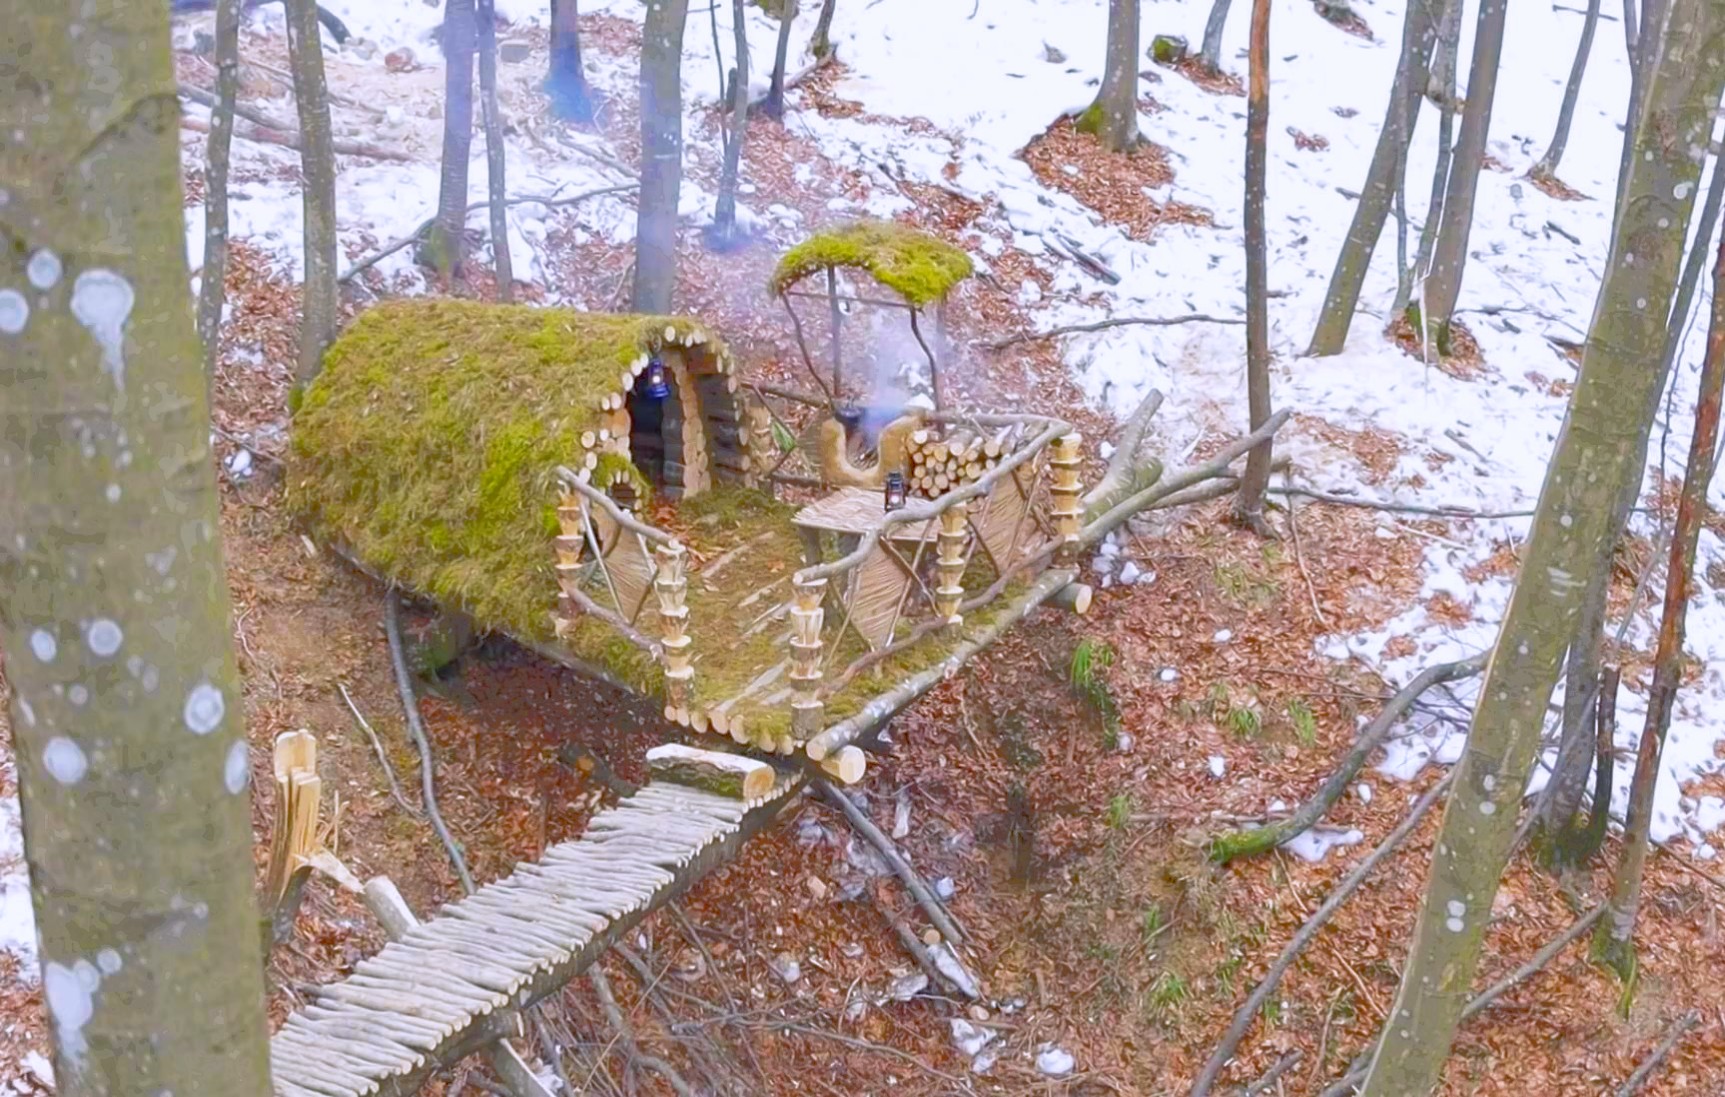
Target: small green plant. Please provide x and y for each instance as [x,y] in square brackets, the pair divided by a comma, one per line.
[1271,1011]
[1245,722]
[1305,723]
[1151,922]
[1227,969]
[783,438]
[1166,994]
[1243,586]
[1087,675]
[1119,811]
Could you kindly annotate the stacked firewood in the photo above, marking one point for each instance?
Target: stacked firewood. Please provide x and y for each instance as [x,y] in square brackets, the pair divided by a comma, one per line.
[936,466]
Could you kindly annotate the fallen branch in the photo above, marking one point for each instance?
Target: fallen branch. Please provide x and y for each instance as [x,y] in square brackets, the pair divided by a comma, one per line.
[793,79]
[290,139]
[1125,474]
[924,954]
[1271,1076]
[1481,1001]
[614,1015]
[416,728]
[936,911]
[1439,511]
[1249,1011]
[382,757]
[1679,1029]
[362,265]
[1112,322]
[1244,843]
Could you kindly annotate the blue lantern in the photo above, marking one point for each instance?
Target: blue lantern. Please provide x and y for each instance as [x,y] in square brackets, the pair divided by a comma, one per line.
[658,381]
[894,494]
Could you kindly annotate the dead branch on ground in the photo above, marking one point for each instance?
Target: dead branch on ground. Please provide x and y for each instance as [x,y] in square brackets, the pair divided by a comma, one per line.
[1112,322]
[382,757]
[925,898]
[1673,1036]
[290,139]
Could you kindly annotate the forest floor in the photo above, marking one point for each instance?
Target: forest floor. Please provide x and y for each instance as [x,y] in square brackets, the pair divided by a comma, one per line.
[1242,667]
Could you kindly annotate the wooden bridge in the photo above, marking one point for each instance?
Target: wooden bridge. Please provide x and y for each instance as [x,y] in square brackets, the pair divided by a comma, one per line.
[453,985]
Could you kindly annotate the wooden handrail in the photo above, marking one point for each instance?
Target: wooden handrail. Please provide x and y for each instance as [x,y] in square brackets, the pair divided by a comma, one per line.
[610,507]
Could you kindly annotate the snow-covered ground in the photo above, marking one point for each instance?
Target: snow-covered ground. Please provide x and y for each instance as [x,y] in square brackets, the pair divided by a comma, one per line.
[982,73]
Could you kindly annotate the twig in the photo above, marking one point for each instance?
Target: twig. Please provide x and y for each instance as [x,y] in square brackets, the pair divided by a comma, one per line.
[1270,1077]
[382,758]
[1300,562]
[1244,1016]
[1242,843]
[1673,1037]
[613,1014]
[1111,322]
[937,913]
[290,139]
[415,727]
[1440,511]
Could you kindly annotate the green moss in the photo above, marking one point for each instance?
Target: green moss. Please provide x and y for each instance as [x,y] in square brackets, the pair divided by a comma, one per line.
[1090,121]
[921,268]
[429,443]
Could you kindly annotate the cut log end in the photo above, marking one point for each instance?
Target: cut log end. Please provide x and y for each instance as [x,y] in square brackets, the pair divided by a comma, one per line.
[1074,597]
[848,765]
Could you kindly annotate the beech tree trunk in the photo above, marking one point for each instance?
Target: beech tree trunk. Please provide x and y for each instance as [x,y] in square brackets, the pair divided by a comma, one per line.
[774,104]
[317,166]
[1571,93]
[1211,52]
[1614,940]
[126,712]
[1113,117]
[1609,414]
[566,82]
[1449,254]
[212,289]
[724,233]
[496,158]
[822,45]
[445,248]
[661,155]
[1249,502]
[1373,208]
[1440,87]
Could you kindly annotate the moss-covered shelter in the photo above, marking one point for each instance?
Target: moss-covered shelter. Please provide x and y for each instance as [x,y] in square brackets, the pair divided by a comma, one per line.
[918,267]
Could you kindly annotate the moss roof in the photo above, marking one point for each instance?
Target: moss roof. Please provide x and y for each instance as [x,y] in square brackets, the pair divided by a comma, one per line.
[428,444]
[922,268]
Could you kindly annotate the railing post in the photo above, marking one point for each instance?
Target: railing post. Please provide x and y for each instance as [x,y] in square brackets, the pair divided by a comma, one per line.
[671,586]
[806,618]
[949,565]
[1066,490]
[569,542]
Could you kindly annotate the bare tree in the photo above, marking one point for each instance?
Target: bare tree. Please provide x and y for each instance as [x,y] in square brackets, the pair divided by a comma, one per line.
[566,82]
[496,154]
[1609,412]
[1440,88]
[1376,196]
[661,155]
[317,167]
[1449,253]
[212,290]
[446,245]
[773,106]
[1249,503]
[724,231]
[822,44]
[1211,52]
[125,702]
[1113,117]
[1547,165]
[1614,941]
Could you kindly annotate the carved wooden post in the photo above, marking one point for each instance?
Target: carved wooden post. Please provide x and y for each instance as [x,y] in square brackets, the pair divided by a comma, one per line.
[806,618]
[762,447]
[569,543]
[671,585]
[949,565]
[1066,489]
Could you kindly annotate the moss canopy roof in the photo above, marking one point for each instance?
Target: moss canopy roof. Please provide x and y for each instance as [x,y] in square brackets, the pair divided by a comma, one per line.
[428,444]
[920,267]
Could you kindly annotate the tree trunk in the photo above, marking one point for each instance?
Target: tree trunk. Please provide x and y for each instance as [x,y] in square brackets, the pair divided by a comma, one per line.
[317,166]
[1609,414]
[822,45]
[212,289]
[447,242]
[1449,254]
[1571,92]
[1113,117]
[1614,941]
[566,82]
[1376,196]
[774,104]
[1440,87]
[661,155]
[126,709]
[495,151]
[724,234]
[1249,502]
[1211,53]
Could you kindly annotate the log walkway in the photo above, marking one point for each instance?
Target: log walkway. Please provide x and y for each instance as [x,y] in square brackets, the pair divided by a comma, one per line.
[459,981]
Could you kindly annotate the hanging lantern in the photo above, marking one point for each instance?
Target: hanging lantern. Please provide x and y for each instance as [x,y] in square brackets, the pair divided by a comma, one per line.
[658,381]
[894,490]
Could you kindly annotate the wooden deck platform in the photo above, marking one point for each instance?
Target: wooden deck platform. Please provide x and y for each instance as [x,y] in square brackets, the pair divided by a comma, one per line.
[457,982]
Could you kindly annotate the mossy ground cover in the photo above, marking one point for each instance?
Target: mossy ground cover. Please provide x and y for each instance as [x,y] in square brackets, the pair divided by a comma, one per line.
[921,268]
